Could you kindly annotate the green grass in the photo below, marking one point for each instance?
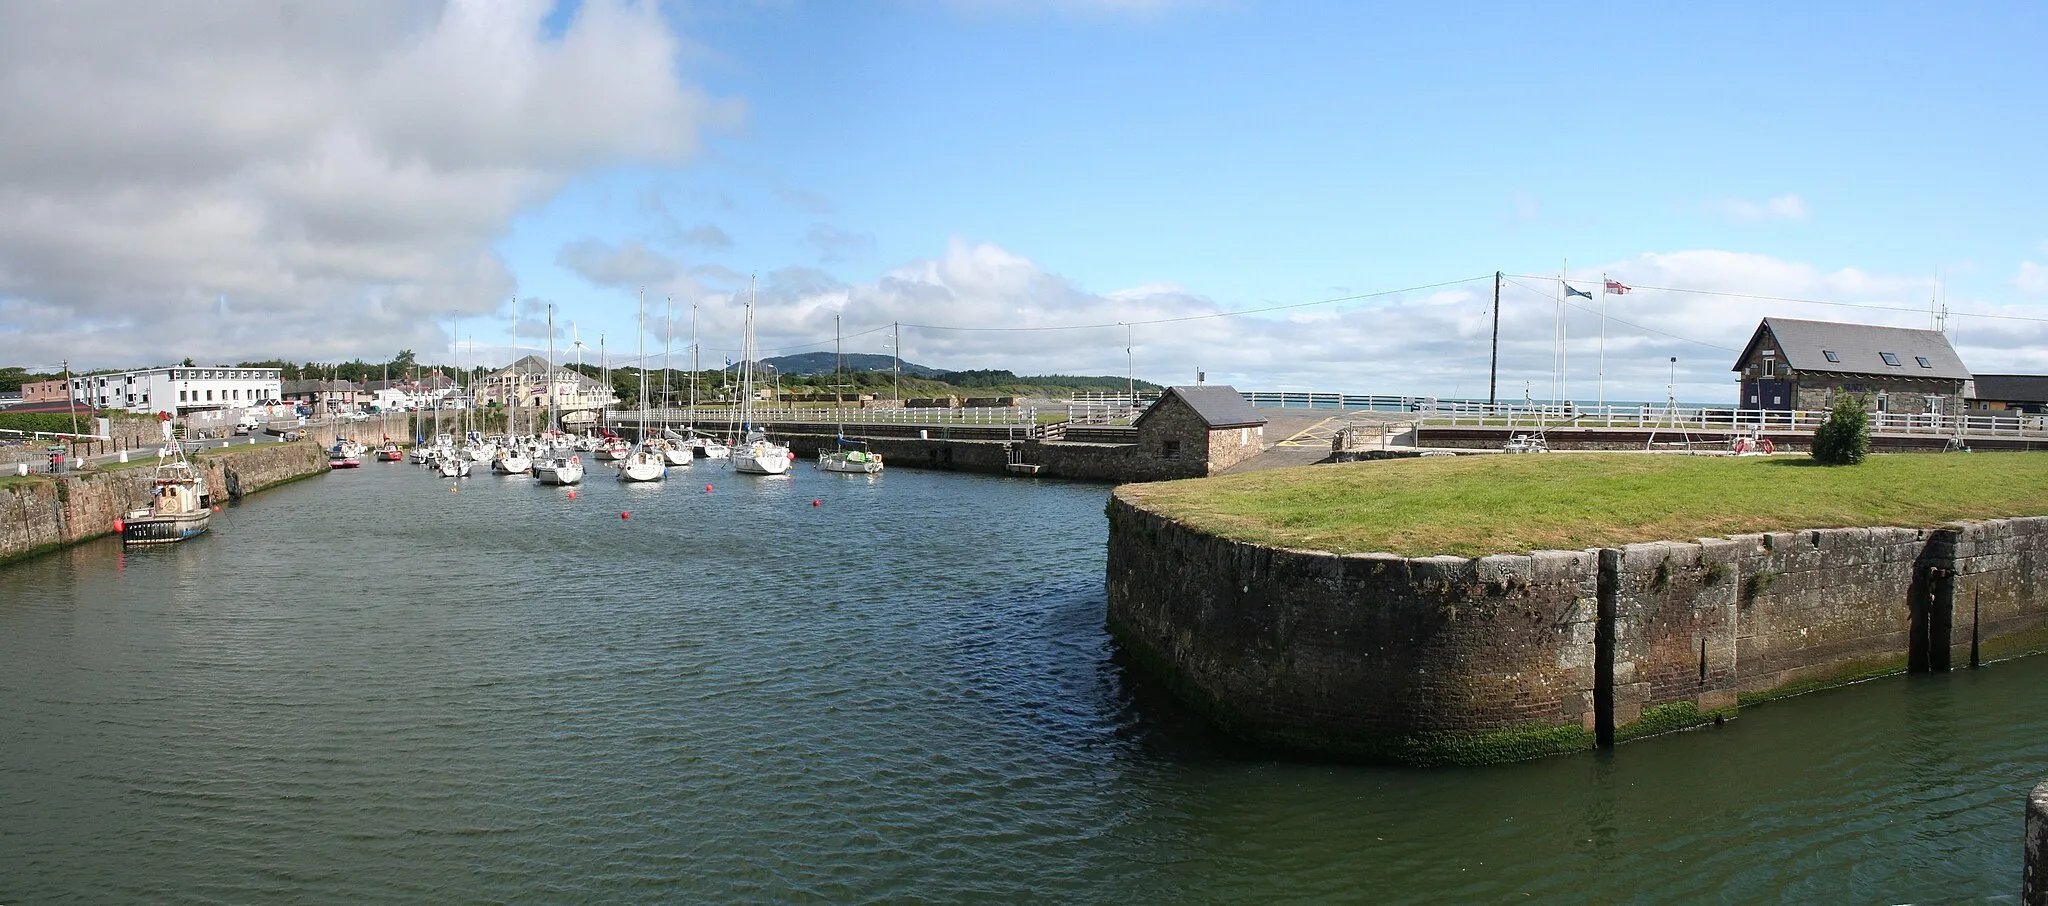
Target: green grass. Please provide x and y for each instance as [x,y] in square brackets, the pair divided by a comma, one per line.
[1476,505]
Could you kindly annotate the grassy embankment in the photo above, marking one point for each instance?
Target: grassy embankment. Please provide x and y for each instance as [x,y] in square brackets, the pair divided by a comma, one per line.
[1476,505]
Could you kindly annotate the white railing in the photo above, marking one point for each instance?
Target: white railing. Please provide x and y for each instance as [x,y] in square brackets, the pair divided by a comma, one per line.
[1712,418]
[1014,415]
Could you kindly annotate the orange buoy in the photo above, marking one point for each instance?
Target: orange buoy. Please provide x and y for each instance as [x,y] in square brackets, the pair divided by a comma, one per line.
[216,507]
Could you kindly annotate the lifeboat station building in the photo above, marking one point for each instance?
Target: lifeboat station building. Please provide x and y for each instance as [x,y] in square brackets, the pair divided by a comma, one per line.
[1791,364]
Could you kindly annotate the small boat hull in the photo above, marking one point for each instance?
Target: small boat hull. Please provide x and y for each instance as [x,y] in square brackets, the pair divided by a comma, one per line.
[164,529]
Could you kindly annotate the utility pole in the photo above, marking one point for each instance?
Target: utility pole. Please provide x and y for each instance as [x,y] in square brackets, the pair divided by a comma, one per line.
[1493,369]
[897,347]
[1130,368]
[70,400]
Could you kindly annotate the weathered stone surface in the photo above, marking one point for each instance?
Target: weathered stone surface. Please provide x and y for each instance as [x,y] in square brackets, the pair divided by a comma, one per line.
[2034,883]
[1369,653]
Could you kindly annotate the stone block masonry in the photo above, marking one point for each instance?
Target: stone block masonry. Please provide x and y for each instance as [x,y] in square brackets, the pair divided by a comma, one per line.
[1433,660]
[45,513]
[2034,880]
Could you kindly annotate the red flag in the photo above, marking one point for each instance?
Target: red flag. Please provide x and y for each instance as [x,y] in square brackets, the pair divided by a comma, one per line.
[1615,287]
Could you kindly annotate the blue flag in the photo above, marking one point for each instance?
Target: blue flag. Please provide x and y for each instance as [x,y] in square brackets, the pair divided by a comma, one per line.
[1570,292]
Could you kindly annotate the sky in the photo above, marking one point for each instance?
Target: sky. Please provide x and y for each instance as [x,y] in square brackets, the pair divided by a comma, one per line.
[1285,195]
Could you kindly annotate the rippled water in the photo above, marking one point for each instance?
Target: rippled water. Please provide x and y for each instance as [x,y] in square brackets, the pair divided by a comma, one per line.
[367,688]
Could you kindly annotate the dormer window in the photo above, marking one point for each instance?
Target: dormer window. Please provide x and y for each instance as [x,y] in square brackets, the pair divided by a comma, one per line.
[1889,359]
[1923,361]
[1831,355]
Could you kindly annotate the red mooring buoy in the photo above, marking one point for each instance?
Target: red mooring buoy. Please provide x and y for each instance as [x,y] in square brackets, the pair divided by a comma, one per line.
[817,503]
[707,489]
[119,526]
[572,495]
[625,515]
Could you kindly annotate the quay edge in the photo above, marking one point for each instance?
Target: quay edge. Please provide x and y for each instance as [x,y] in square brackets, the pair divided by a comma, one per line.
[1453,660]
[44,513]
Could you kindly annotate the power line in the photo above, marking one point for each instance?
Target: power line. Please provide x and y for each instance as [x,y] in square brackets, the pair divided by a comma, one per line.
[1219,314]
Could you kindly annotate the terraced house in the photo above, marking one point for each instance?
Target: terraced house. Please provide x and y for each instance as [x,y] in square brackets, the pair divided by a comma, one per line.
[1793,364]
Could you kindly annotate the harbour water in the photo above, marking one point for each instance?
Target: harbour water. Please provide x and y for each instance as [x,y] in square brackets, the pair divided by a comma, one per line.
[368,688]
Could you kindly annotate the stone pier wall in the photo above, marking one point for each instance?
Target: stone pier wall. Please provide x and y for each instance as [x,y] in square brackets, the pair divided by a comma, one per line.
[1448,659]
[43,513]
[2034,880]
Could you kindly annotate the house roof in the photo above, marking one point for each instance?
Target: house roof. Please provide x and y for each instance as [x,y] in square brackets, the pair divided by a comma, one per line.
[2012,388]
[536,367]
[1220,406]
[1804,346]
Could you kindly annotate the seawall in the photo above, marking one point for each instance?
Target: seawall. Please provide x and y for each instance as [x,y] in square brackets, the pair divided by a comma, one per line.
[42,513]
[2034,880]
[1432,660]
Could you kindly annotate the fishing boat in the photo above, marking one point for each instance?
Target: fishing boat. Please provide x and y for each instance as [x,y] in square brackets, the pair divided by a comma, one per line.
[756,454]
[345,454]
[857,461]
[389,452]
[558,470]
[179,506]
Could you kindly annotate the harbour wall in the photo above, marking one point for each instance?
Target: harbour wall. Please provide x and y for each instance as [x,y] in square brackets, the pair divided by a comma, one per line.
[46,512]
[2034,880]
[1434,660]
[1117,463]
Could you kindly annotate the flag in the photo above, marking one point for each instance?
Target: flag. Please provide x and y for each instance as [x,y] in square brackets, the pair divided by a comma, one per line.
[1569,292]
[1617,288]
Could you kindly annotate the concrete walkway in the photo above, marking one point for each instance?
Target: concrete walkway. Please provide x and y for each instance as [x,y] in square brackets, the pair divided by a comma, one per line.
[1306,435]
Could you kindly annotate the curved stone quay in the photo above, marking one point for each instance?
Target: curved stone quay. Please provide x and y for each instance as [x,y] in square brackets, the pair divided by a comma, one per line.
[1455,660]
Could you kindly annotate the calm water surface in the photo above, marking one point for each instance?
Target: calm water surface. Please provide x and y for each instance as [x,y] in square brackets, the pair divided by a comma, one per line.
[368,688]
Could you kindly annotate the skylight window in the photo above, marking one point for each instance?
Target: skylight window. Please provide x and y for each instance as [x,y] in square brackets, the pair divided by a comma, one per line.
[1923,361]
[1831,355]
[1890,359]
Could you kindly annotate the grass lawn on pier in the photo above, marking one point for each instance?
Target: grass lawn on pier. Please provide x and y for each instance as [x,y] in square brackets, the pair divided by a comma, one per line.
[1476,505]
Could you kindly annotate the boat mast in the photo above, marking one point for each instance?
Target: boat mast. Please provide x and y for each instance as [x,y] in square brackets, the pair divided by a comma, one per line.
[747,363]
[643,364]
[550,383]
[668,335]
[693,366]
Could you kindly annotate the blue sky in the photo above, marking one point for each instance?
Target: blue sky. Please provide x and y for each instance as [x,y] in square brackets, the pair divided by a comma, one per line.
[1011,164]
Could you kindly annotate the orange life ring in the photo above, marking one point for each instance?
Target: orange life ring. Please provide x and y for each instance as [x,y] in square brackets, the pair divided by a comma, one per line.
[1769,447]
[1742,445]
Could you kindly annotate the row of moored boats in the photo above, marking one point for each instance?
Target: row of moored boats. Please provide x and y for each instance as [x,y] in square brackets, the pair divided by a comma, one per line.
[558,459]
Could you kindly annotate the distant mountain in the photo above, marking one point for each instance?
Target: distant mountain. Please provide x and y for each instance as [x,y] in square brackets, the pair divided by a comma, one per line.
[813,363]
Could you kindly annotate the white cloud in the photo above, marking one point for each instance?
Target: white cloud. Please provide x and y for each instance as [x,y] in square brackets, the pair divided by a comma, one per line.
[338,171]
[1782,207]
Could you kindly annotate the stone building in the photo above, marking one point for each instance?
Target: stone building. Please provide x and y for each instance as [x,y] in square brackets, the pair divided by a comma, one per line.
[1211,428]
[1792,364]
[528,382]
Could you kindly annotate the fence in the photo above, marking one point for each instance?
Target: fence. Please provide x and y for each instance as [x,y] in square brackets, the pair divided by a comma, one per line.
[1711,418]
[1015,415]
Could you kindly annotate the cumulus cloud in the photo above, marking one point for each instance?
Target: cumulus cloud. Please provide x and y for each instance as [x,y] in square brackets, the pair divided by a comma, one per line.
[1778,208]
[978,305]
[338,172]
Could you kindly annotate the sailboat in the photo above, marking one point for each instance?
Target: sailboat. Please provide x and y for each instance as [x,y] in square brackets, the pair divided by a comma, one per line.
[672,453]
[698,445]
[755,454]
[560,467]
[857,461]
[643,463]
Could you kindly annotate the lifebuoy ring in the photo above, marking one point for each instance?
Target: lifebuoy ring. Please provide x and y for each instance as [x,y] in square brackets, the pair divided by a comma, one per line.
[1742,445]
[1769,447]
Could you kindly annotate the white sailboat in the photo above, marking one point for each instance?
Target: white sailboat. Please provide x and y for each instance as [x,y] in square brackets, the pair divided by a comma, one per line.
[856,461]
[673,454]
[643,463]
[755,454]
[561,468]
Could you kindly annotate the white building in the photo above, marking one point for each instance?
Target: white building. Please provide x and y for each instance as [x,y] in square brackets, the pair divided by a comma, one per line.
[525,383]
[178,390]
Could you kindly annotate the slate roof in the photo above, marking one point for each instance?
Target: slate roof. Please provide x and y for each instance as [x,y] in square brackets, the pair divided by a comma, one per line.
[1218,405]
[537,367]
[1803,345]
[2012,388]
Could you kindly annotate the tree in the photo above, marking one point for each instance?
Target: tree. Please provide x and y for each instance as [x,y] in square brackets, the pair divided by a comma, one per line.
[187,363]
[1844,439]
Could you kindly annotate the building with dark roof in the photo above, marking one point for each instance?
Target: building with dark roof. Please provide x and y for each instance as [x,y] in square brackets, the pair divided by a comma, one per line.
[1209,428]
[2008,393]
[1794,364]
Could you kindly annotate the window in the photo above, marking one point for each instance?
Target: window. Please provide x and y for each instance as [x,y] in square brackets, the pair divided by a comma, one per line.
[181,396]
[1770,367]
[1923,361]
[1831,355]
[1889,359]
[1169,449]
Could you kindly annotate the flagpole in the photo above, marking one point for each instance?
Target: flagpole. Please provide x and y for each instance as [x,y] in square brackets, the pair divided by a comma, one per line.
[1603,342]
[1564,342]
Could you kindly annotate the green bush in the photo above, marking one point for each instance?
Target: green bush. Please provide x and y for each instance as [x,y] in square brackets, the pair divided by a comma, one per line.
[1844,439]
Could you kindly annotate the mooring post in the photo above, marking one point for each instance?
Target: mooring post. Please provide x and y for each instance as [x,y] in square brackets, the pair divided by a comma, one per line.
[2034,883]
